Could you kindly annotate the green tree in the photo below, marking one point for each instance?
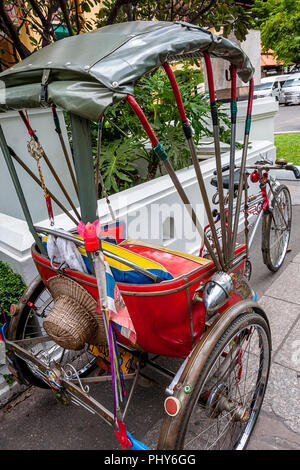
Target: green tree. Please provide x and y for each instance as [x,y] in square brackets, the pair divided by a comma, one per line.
[41,19]
[279,23]
[231,15]
[38,15]
[123,145]
[124,139]
[11,288]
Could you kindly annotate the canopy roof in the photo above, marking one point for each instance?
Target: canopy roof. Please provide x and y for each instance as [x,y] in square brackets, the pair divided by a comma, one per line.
[90,71]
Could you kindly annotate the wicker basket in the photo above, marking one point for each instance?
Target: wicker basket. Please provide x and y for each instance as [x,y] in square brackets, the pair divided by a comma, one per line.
[73,321]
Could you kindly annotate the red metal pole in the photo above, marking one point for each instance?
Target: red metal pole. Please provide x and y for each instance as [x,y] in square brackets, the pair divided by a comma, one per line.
[176,92]
[161,153]
[215,122]
[189,136]
[143,120]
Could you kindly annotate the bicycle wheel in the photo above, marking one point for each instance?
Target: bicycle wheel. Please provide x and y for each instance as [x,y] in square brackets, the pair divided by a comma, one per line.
[227,395]
[28,323]
[276,229]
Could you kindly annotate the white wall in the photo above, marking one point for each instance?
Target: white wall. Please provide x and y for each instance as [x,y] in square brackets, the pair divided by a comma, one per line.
[262,119]
[144,209]
[17,137]
[251,46]
[152,211]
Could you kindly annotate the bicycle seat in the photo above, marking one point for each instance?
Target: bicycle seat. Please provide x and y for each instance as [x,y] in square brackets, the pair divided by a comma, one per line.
[225,180]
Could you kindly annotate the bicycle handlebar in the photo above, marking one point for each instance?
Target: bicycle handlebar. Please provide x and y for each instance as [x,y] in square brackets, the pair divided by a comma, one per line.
[288,167]
[294,169]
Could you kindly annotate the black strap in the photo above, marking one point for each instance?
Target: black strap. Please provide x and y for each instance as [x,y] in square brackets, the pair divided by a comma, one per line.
[44,90]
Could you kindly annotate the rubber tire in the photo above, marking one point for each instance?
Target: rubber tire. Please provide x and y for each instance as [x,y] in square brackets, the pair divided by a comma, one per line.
[266,232]
[176,428]
[15,332]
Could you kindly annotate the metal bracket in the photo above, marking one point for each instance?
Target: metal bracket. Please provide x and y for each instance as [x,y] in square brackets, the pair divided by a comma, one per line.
[44,91]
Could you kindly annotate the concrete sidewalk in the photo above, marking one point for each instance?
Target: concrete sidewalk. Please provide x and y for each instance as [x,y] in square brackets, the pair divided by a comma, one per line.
[278,425]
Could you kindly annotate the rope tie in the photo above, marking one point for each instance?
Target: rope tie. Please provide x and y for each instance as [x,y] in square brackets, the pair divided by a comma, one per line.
[36,151]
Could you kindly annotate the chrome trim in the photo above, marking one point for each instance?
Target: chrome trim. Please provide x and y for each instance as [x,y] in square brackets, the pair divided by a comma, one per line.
[239,258]
[108,254]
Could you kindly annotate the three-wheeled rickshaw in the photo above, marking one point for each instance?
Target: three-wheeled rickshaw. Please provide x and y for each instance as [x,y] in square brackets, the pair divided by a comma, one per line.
[115,304]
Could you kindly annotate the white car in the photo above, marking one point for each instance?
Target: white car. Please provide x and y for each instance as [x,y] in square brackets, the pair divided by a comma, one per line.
[291,90]
[270,86]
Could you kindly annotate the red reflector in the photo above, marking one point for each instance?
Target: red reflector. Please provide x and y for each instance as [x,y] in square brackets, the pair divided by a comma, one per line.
[31,305]
[172,406]
[13,309]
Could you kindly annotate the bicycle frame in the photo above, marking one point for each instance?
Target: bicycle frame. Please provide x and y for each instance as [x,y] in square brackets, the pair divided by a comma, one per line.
[256,204]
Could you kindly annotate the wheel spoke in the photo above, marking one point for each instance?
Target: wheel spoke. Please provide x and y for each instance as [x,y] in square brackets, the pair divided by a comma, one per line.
[277,229]
[34,313]
[230,396]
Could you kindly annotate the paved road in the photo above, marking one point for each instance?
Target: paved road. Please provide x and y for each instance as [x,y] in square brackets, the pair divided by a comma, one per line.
[288,119]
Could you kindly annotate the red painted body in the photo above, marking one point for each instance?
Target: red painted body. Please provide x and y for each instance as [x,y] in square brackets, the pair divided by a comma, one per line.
[160,312]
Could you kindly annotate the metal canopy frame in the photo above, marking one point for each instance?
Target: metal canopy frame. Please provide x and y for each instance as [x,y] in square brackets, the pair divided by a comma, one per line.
[222,253]
[19,190]
[87,73]
[96,76]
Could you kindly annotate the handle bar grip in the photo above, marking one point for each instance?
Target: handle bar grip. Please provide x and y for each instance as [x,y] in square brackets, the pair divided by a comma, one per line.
[294,169]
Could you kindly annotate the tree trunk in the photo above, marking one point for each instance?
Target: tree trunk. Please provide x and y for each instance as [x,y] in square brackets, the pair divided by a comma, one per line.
[12,32]
[64,9]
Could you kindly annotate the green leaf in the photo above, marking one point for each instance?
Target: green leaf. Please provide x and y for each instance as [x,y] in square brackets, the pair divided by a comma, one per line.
[11,288]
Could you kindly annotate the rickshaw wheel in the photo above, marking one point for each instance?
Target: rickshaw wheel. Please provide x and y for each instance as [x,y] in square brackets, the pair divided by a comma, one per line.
[275,230]
[221,400]
[28,323]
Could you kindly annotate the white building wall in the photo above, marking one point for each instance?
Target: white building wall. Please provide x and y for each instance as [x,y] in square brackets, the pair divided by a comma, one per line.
[17,137]
[151,211]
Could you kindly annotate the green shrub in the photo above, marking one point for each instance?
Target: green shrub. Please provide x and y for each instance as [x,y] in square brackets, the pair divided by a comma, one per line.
[124,139]
[12,287]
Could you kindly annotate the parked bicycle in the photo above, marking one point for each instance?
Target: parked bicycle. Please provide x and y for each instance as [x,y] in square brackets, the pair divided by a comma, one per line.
[271,206]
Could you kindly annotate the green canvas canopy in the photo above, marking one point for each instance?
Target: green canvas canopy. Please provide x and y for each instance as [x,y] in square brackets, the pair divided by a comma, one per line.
[88,72]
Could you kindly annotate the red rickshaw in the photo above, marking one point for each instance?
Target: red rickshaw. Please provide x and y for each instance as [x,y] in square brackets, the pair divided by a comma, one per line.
[132,300]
